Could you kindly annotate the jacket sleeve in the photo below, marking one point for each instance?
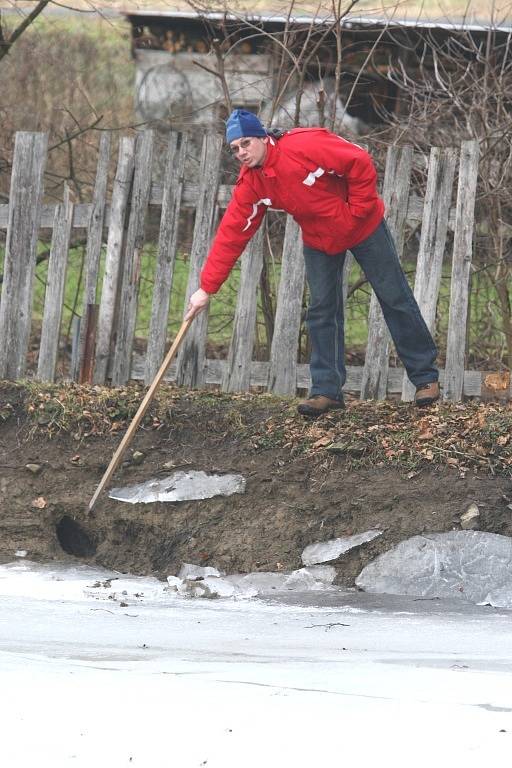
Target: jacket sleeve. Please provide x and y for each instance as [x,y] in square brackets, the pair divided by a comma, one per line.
[339,156]
[241,220]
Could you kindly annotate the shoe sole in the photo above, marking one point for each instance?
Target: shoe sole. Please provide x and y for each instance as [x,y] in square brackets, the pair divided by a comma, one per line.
[426,401]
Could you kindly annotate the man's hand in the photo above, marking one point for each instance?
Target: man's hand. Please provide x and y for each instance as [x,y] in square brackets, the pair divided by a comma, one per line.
[197,303]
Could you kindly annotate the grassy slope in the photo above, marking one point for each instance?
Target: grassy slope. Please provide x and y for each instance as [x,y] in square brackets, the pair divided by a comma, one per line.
[473,436]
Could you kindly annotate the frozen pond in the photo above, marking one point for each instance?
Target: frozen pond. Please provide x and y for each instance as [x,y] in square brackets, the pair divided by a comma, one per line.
[98,669]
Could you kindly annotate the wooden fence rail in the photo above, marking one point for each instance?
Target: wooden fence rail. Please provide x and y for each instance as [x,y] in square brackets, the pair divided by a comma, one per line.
[104,345]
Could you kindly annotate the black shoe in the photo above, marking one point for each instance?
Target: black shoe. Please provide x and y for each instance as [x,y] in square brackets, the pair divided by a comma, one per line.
[426,394]
[317,405]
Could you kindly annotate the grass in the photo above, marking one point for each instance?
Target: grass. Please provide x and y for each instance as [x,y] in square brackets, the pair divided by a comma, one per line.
[485,338]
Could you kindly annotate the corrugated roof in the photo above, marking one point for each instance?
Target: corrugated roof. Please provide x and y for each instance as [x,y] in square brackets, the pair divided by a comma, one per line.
[347,21]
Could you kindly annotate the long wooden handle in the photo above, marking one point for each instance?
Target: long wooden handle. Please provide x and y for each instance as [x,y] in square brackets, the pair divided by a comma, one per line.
[118,455]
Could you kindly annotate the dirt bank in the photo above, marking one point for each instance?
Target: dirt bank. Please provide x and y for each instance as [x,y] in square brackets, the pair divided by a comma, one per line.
[394,468]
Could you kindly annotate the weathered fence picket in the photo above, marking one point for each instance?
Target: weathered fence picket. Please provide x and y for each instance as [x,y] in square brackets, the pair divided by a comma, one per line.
[433,239]
[116,231]
[124,221]
[93,248]
[20,251]
[130,282]
[397,181]
[237,374]
[461,266]
[167,247]
[55,285]
[191,358]
[282,378]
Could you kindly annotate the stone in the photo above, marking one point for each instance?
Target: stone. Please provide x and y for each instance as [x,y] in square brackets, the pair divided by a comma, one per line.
[34,469]
[138,457]
[39,503]
[324,551]
[470,565]
[470,518]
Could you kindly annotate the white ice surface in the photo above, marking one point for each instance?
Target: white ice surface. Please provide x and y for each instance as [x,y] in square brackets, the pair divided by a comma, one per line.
[180,486]
[320,679]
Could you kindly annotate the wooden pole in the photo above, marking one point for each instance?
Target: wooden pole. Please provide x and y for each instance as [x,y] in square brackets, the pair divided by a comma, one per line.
[118,455]
[87,359]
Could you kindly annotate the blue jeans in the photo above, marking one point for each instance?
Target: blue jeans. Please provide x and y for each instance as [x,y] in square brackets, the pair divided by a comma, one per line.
[378,259]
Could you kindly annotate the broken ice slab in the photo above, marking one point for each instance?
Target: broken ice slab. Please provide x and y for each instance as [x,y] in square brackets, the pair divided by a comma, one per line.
[268,583]
[180,486]
[330,550]
[473,565]
[314,578]
[189,571]
[241,586]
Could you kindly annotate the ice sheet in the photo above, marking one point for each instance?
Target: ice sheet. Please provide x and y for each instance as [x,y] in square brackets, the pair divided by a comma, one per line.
[324,551]
[180,486]
[470,565]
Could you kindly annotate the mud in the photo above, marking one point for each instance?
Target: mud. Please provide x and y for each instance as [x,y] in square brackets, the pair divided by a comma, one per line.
[290,501]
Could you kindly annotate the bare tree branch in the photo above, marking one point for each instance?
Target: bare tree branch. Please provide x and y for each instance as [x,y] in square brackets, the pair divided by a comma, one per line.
[6,45]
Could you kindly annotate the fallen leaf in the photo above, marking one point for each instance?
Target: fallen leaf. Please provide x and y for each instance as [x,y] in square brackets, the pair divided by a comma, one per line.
[322,442]
[498,381]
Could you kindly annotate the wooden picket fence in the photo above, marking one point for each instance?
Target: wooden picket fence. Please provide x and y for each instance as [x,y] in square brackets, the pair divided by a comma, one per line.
[104,345]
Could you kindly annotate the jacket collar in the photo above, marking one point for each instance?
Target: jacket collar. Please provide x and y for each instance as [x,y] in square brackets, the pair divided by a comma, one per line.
[268,167]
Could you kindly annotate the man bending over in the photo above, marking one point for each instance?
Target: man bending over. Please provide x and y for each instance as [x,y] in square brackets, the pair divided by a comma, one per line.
[329,186]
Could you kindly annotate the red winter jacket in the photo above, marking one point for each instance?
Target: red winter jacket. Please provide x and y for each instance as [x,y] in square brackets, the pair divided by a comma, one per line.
[327,184]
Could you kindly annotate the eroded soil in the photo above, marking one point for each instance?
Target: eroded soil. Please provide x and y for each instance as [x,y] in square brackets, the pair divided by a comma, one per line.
[297,492]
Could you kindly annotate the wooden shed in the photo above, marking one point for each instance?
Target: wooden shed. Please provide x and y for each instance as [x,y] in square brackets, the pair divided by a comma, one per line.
[180,57]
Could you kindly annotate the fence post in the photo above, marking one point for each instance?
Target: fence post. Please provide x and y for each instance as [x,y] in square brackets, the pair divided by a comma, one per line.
[397,181]
[434,226]
[55,285]
[237,375]
[191,359]
[93,251]
[20,251]
[167,245]
[119,204]
[132,259]
[283,354]
[461,266]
